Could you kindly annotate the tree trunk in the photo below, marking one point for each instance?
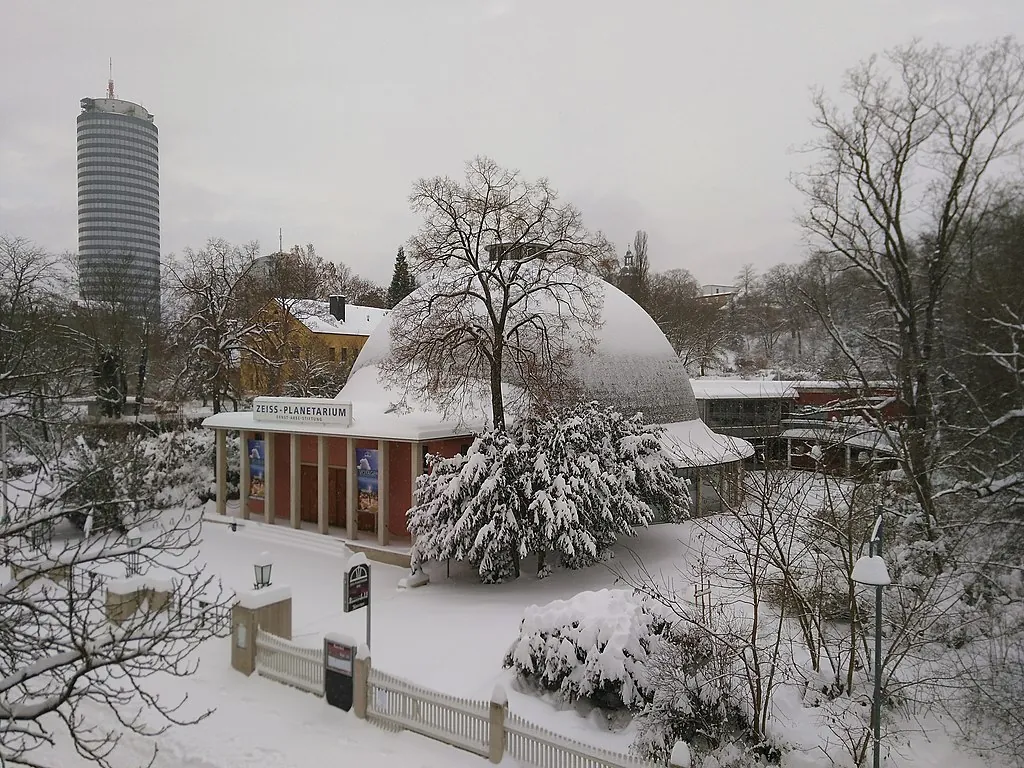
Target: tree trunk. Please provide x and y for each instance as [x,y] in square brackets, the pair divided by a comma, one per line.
[497,401]
[140,389]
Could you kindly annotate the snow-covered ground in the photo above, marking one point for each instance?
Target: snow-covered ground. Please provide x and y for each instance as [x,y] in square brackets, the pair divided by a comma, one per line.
[261,723]
[451,636]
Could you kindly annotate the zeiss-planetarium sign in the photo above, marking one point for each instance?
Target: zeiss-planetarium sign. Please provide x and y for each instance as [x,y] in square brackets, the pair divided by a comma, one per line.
[302,410]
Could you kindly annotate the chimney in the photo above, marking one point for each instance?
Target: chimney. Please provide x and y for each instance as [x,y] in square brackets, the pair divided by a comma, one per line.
[337,307]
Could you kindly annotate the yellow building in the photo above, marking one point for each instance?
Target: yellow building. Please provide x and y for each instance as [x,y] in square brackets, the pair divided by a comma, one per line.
[306,347]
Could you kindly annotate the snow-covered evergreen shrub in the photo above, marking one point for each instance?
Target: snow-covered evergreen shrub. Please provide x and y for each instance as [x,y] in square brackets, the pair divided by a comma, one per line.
[109,480]
[105,482]
[571,485]
[594,646]
[691,677]
[470,507]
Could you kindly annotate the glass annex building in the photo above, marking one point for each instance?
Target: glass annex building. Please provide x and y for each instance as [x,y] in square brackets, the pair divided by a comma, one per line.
[119,204]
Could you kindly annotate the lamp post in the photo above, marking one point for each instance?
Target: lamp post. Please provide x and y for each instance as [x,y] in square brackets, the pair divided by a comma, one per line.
[870,570]
[133,567]
[262,568]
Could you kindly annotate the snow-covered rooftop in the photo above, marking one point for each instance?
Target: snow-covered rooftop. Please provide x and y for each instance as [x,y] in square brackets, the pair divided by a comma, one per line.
[693,444]
[316,315]
[736,389]
[855,437]
[630,366]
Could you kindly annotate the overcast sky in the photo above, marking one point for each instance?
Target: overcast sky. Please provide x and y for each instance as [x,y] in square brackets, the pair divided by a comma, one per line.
[678,117]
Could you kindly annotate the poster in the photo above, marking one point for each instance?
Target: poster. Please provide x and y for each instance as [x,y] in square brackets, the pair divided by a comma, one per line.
[366,479]
[257,452]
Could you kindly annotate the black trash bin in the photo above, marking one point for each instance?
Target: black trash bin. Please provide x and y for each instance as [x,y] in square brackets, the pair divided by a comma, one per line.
[339,662]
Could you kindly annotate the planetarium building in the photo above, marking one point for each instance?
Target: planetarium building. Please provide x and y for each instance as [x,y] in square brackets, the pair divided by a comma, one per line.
[347,466]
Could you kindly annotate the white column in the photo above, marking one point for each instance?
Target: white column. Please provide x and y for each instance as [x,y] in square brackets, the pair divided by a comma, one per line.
[222,471]
[294,489]
[383,506]
[246,473]
[322,484]
[269,477]
[350,487]
[416,465]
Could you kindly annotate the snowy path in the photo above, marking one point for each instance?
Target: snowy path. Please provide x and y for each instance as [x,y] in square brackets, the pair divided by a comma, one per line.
[265,724]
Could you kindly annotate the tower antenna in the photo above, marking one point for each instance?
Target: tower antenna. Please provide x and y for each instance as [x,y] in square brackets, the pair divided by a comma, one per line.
[280,240]
[110,79]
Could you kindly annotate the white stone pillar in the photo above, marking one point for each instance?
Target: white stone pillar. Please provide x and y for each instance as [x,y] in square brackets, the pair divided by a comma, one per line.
[245,477]
[269,477]
[416,465]
[222,471]
[294,476]
[383,507]
[351,490]
[322,484]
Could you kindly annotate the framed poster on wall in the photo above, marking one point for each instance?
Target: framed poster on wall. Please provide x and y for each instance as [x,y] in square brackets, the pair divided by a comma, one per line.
[367,479]
[257,468]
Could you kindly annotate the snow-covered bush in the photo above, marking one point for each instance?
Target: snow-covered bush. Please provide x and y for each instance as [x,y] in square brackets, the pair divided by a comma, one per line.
[112,479]
[690,674]
[186,460]
[105,483]
[594,647]
[571,485]
[470,507]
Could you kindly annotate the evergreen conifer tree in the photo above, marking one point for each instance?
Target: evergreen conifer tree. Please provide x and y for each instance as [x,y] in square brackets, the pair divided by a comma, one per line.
[402,281]
[569,485]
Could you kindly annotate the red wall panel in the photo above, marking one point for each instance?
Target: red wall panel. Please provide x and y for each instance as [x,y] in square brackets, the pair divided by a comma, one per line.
[399,487]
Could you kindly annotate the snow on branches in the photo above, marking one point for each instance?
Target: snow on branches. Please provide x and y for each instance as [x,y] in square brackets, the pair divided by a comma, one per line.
[571,484]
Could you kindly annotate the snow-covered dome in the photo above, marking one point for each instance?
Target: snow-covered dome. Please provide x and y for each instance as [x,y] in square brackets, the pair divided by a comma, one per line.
[631,366]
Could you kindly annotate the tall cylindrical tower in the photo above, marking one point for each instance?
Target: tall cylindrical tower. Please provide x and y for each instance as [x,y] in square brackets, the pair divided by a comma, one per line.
[119,204]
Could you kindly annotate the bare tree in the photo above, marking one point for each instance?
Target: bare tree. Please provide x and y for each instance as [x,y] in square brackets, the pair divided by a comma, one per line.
[900,182]
[219,313]
[511,298]
[66,671]
[114,322]
[35,359]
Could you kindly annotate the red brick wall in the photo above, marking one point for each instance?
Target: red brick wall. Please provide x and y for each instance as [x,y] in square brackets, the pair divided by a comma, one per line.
[823,398]
[337,454]
[399,487]
[448,447]
[307,449]
[337,451]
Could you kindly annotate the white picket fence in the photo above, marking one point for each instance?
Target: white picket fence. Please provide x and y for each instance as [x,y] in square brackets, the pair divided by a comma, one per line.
[397,704]
[532,745]
[465,723]
[460,722]
[288,663]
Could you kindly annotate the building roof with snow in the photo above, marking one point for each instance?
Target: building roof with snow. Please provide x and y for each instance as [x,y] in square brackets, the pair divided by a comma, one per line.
[355,320]
[742,389]
[630,364]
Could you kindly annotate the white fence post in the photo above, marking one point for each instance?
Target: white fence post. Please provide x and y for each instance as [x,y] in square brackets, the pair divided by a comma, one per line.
[496,735]
[361,681]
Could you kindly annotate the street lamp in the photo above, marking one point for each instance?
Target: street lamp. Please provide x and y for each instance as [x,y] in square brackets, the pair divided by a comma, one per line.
[871,571]
[262,568]
[134,564]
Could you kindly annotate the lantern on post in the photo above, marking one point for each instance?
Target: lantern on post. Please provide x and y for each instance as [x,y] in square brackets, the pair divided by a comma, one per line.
[262,568]
[871,571]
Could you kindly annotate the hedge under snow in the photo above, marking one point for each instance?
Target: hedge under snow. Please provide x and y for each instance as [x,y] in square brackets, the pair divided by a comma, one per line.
[592,646]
